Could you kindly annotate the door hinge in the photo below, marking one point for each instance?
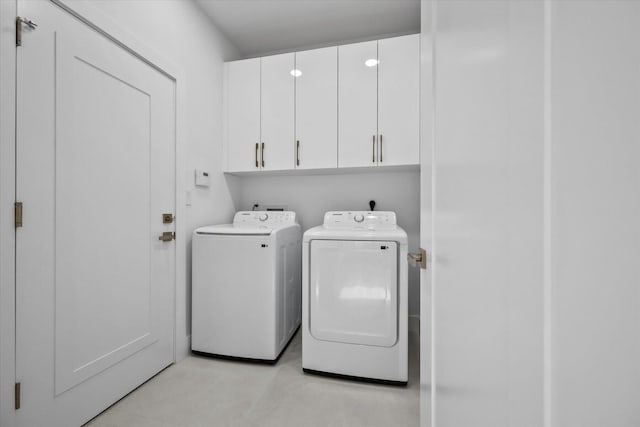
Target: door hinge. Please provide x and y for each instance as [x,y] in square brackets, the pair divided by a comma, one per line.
[19,22]
[17,396]
[18,214]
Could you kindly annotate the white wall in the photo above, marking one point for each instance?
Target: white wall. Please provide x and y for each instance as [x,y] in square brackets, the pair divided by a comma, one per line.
[180,32]
[310,196]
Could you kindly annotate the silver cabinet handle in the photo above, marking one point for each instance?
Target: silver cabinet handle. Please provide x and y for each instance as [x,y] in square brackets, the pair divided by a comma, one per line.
[262,156]
[373,150]
[380,148]
[257,164]
[298,153]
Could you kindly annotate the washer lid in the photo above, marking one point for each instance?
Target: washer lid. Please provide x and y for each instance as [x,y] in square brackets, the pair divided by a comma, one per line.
[231,230]
[253,223]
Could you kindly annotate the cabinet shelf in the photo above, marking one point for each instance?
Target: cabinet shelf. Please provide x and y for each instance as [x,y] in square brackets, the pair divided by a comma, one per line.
[330,171]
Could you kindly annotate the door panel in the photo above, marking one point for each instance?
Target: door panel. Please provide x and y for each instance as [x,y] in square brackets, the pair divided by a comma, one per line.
[100,117]
[277,112]
[487,221]
[317,108]
[242,109]
[594,202]
[94,284]
[357,104]
[399,100]
[354,291]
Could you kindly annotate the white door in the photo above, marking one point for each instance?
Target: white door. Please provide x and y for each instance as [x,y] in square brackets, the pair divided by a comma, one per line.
[95,171]
[277,112]
[535,298]
[353,288]
[399,100]
[358,104]
[594,206]
[242,110]
[317,108]
[483,170]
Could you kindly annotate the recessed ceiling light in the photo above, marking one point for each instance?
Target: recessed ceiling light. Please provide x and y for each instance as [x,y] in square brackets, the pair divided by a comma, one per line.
[371,62]
[296,73]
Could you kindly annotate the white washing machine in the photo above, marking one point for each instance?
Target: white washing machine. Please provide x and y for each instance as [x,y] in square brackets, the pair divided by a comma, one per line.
[354,297]
[246,285]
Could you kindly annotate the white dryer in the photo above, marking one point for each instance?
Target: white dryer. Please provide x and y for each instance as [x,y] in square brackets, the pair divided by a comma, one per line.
[246,285]
[354,297]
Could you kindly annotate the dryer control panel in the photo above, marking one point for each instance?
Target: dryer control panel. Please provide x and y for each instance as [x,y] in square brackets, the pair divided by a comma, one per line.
[266,218]
[378,220]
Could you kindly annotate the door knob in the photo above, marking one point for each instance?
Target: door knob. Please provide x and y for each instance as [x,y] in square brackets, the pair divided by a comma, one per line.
[167,236]
[418,259]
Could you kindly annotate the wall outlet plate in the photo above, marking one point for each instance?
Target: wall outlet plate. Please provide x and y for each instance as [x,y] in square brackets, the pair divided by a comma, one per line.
[275,208]
[202,178]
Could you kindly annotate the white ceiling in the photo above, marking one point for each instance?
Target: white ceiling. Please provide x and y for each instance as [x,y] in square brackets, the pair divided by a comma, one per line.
[260,27]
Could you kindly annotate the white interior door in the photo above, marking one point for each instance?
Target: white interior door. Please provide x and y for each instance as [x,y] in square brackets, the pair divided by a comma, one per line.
[593,342]
[483,172]
[535,296]
[95,171]
[277,112]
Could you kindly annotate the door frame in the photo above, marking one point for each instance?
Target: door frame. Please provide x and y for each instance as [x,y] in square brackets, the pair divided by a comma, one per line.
[105,25]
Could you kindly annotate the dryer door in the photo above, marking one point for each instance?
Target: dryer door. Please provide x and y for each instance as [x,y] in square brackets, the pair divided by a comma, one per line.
[353,293]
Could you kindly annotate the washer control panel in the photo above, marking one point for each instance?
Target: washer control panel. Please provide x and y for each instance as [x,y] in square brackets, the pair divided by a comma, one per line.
[360,220]
[264,218]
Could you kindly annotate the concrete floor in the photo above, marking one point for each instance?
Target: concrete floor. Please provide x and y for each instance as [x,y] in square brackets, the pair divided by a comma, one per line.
[202,391]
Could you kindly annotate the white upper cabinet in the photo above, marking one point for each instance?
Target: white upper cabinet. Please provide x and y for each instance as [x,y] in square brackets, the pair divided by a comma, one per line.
[347,106]
[242,112]
[399,100]
[316,88]
[357,104]
[277,112]
[379,101]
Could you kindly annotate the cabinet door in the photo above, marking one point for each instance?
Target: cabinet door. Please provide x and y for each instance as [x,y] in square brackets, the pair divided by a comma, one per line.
[399,100]
[277,112]
[357,104]
[242,114]
[317,108]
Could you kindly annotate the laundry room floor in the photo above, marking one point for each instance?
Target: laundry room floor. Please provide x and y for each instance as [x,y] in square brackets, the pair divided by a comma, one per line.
[203,391]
